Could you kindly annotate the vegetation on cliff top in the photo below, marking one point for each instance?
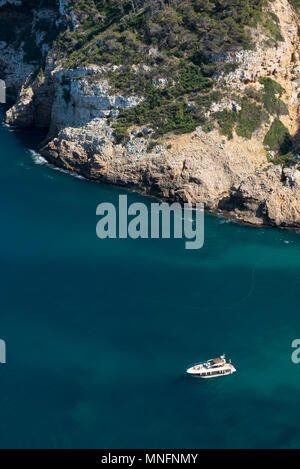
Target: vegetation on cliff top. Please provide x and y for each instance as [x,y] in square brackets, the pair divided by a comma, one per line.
[183,42]
[126,32]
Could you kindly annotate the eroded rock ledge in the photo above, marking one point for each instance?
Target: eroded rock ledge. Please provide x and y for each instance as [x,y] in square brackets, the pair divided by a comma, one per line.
[201,168]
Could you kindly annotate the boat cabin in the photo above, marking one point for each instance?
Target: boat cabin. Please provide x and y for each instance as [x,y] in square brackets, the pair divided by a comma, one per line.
[215,362]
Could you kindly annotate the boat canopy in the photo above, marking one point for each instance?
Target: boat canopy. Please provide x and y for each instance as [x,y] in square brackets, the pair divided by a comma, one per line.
[215,361]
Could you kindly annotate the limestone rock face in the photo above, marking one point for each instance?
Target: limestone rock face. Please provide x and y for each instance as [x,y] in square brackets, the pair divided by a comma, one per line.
[82,95]
[197,168]
[271,197]
[34,105]
[13,69]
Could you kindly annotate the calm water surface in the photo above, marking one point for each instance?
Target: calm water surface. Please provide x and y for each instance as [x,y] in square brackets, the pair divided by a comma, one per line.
[99,333]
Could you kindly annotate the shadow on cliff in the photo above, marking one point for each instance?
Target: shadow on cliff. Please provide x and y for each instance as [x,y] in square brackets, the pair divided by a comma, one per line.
[30,137]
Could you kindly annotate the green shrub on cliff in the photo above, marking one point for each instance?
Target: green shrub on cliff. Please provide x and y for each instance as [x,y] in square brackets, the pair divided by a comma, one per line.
[250,118]
[296,4]
[162,113]
[226,121]
[120,31]
[256,107]
[270,22]
[286,160]
[271,97]
[278,138]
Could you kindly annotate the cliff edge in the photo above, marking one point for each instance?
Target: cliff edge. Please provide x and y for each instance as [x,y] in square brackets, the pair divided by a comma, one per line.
[132,97]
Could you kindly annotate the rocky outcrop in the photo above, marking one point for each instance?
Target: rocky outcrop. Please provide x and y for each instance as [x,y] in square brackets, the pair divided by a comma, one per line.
[82,95]
[272,197]
[66,98]
[198,167]
[34,106]
[234,175]
[203,168]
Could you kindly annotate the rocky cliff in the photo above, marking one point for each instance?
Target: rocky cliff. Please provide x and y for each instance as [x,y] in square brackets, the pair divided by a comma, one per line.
[241,158]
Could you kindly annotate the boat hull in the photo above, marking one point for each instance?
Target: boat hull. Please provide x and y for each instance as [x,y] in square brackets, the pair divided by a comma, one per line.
[211,376]
[211,373]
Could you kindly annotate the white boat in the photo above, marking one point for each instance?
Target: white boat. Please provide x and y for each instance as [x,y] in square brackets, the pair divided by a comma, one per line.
[212,368]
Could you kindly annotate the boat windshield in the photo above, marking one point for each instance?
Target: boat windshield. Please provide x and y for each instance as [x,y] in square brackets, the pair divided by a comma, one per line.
[215,362]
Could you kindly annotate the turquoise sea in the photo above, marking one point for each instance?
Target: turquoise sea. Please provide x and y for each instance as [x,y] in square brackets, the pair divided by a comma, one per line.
[99,332]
